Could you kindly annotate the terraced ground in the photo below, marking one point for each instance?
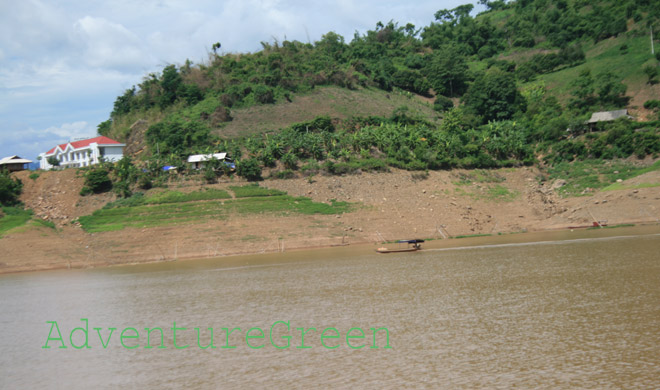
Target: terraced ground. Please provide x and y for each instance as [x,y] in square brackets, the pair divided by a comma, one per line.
[176,208]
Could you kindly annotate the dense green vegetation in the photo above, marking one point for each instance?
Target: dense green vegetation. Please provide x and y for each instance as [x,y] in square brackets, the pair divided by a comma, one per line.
[10,189]
[497,67]
[177,208]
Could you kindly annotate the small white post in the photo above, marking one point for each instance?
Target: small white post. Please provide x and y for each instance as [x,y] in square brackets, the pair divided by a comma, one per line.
[652,48]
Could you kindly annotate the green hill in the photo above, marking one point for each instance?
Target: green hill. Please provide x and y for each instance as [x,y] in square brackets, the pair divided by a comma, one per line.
[497,89]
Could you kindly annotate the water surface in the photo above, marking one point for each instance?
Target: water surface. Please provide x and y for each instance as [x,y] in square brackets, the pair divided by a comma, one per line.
[572,314]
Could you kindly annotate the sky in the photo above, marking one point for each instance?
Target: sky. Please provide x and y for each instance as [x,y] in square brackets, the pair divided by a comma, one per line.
[64,62]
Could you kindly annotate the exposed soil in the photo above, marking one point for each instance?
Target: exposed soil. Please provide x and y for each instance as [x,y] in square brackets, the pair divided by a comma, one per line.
[391,206]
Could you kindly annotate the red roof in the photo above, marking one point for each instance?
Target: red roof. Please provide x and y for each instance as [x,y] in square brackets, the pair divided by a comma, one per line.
[101,140]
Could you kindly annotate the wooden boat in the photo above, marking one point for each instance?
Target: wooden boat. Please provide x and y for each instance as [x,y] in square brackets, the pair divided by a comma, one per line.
[412,246]
[593,225]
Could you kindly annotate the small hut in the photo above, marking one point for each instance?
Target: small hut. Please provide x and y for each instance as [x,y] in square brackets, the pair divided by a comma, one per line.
[607,116]
[14,164]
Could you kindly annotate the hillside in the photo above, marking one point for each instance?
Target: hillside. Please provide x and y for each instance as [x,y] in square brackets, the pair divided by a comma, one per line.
[628,64]
[521,71]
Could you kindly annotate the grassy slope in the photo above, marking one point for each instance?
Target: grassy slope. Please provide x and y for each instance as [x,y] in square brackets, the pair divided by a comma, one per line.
[607,56]
[596,175]
[600,57]
[174,208]
[332,101]
[12,218]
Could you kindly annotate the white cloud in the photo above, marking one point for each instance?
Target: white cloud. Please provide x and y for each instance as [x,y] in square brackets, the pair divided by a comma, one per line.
[30,142]
[110,45]
[32,28]
[71,131]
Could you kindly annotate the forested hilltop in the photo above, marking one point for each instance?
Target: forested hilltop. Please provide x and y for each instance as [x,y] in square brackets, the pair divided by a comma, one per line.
[512,85]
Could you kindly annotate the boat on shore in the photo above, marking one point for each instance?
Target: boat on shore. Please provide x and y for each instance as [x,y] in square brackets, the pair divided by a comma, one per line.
[411,246]
[593,225]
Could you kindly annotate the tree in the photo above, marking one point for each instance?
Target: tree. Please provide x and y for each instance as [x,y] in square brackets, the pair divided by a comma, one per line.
[126,175]
[447,71]
[124,103]
[494,96]
[170,83]
[52,160]
[456,15]
[611,92]
[104,127]
[332,44]
[583,90]
[10,189]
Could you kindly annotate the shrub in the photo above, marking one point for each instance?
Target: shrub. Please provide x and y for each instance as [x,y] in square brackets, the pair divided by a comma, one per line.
[209,175]
[264,95]
[249,169]
[144,182]
[651,72]
[290,161]
[97,180]
[442,103]
[10,189]
[85,191]
[652,104]
[285,174]
[419,176]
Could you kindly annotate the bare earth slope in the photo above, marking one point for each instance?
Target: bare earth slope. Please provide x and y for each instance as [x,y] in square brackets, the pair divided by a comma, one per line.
[392,206]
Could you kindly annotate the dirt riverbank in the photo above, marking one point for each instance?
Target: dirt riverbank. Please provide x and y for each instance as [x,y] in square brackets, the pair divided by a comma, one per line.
[390,206]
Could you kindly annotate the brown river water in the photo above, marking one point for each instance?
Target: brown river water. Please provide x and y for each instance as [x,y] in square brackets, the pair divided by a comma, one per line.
[573,314]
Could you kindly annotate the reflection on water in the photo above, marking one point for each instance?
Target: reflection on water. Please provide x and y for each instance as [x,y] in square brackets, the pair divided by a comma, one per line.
[580,314]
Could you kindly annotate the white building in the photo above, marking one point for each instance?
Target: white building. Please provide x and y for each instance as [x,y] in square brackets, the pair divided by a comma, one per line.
[83,153]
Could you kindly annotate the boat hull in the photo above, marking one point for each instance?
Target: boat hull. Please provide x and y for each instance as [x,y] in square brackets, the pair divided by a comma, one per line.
[385,250]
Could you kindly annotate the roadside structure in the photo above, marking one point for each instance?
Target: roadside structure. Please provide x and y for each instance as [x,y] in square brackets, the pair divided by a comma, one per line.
[197,160]
[83,153]
[14,164]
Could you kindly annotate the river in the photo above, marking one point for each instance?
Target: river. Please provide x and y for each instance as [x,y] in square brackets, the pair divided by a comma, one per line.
[557,315]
